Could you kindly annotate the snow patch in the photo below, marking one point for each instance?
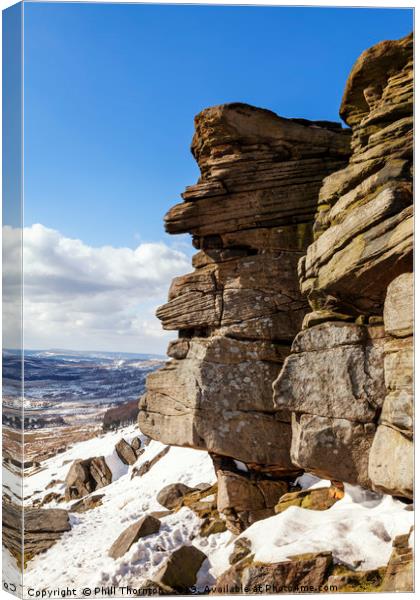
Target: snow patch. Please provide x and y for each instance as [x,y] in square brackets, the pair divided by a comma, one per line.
[358,530]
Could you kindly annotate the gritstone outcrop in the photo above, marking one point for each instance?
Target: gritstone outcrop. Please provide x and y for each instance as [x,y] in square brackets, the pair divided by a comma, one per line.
[251,217]
[348,382]
[302,283]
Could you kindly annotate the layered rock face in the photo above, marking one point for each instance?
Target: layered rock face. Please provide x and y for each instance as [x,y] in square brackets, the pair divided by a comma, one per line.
[301,228]
[348,382]
[391,457]
[251,217]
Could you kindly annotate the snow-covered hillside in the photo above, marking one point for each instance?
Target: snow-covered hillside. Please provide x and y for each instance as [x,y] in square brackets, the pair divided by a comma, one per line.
[358,529]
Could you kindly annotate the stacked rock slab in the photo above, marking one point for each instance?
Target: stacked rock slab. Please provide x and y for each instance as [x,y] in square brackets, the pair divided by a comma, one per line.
[391,457]
[348,383]
[251,216]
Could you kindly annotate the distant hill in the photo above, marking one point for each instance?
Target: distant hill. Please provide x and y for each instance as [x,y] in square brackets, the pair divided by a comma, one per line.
[88,354]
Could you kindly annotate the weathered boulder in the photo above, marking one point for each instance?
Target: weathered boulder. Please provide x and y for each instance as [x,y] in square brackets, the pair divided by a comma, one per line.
[399,306]
[399,575]
[86,476]
[243,501]
[125,452]
[145,526]
[317,499]
[87,503]
[136,444]
[222,389]
[391,460]
[40,528]
[242,547]
[79,481]
[179,571]
[304,573]
[333,385]
[171,494]
[339,362]
[333,448]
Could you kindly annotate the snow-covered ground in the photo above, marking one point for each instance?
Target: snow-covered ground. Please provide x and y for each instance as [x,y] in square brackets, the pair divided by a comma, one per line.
[358,529]
[80,558]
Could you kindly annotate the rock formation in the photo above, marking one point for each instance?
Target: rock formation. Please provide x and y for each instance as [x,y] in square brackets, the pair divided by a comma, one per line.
[348,381]
[145,526]
[399,575]
[179,571]
[38,528]
[299,574]
[125,452]
[303,280]
[86,476]
[251,216]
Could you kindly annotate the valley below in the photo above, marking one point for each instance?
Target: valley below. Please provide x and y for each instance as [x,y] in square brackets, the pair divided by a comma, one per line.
[66,397]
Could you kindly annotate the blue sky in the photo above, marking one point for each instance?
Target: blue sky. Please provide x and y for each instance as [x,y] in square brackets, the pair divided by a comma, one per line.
[110,96]
[111,92]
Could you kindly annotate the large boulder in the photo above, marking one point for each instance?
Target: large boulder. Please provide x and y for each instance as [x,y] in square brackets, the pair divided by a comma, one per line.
[86,476]
[171,495]
[243,501]
[39,528]
[79,481]
[399,575]
[145,526]
[179,571]
[304,573]
[222,389]
[125,452]
[391,460]
[333,385]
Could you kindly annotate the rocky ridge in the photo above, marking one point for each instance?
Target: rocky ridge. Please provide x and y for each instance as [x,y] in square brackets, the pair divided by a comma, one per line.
[295,330]
[251,216]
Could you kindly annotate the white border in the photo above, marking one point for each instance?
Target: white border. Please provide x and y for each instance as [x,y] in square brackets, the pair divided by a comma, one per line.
[290,3]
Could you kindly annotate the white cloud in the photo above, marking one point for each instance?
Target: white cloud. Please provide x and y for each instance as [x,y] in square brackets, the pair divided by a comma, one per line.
[80,297]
